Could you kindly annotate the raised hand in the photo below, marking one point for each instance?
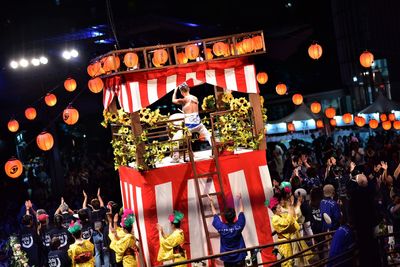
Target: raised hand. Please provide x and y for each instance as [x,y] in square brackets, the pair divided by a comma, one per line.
[84,194]
[384,165]
[98,192]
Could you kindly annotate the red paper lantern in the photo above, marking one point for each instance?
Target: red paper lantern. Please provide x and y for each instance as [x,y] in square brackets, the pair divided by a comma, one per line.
[131,59]
[315,107]
[13,168]
[45,141]
[95,69]
[111,63]
[332,122]
[315,51]
[192,51]
[182,59]
[392,117]
[209,54]
[320,124]
[360,121]
[281,89]
[247,45]
[13,125]
[257,42]
[297,99]
[96,85]
[50,100]
[160,57]
[386,125]
[330,113]
[373,124]
[366,59]
[396,125]
[290,127]
[347,118]
[219,49]
[262,77]
[383,117]
[70,115]
[70,84]
[30,113]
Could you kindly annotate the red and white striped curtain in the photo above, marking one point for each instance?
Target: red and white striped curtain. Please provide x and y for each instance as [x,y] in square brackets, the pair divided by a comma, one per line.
[140,89]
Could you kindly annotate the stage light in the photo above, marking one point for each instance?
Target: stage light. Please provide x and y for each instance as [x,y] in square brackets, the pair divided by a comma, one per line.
[14,64]
[74,53]
[24,63]
[43,60]
[66,54]
[35,62]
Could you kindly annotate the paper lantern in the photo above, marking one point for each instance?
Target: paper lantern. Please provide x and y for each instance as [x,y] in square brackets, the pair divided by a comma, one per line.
[332,122]
[227,52]
[247,45]
[160,57]
[13,168]
[330,113]
[347,118]
[70,115]
[320,124]
[359,121]
[111,63]
[219,49]
[262,77]
[373,124]
[315,51]
[396,125]
[383,117]
[156,64]
[281,89]
[45,141]
[257,42]
[192,51]
[50,100]
[131,59]
[239,48]
[366,59]
[95,69]
[96,85]
[297,99]
[386,125]
[13,125]
[30,113]
[391,117]
[290,127]
[315,107]
[182,59]
[70,85]
[209,54]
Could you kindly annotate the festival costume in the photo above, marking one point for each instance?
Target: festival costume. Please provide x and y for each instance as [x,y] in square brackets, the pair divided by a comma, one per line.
[81,252]
[123,247]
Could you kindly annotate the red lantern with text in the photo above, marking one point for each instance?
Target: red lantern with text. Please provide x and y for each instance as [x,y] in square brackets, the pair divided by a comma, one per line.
[359,121]
[30,113]
[330,113]
[13,125]
[181,57]
[13,168]
[396,125]
[386,125]
[262,77]
[315,51]
[219,49]
[70,115]
[131,59]
[160,56]
[192,51]
[373,124]
[366,59]
[332,122]
[45,141]
[290,127]
[391,117]
[297,99]
[247,45]
[96,85]
[257,42]
[383,117]
[315,107]
[347,118]
[281,89]
[50,100]
[320,124]
[70,85]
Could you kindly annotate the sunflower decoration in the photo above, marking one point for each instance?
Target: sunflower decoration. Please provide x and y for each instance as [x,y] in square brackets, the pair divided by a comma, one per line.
[208,103]
[226,99]
[145,115]
[123,117]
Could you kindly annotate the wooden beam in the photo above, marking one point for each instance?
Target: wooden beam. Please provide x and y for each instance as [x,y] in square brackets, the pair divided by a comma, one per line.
[137,132]
[218,92]
[258,120]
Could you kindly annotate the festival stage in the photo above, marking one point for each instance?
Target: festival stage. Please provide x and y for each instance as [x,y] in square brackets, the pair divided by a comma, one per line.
[154,194]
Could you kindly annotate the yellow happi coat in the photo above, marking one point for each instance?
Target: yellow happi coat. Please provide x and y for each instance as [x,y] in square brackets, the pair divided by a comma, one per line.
[167,244]
[120,246]
[79,248]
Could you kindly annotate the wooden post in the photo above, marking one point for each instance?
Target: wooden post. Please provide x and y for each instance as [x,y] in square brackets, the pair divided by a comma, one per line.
[137,132]
[258,120]
[218,92]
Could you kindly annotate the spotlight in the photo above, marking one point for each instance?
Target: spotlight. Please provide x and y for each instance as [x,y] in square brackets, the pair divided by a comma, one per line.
[35,62]
[66,55]
[24,63]
[43,60]
[74,53]
[14,64]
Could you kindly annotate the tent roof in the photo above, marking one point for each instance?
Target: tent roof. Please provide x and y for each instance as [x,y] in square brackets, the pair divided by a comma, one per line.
[300,114]
[382,105]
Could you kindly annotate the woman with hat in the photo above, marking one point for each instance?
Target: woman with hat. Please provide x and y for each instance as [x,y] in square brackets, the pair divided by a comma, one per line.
[80,252]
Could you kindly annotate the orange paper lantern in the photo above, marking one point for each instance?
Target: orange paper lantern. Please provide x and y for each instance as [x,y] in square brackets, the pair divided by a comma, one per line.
[332,122]
[373,124]
[96,85]
[181,57]
[392,117]
[386,125]
[13,125]
[192,51]
[347,118]
[315,107]
[383,117]
[227,52]
[209,54]
[45,141]
[30,113]
[262,77]
[297,99]
[13,168]
[247,45]
[50,100]
[160,57]
[111,63]
[320,124]
[95,69]
[366,59]
[330,113]
[360,121]
[281,89]
[131,59]
[70,85]
[219,49]
[396,125]
[290,127]
[70,115]
[257,42]
[315,51]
